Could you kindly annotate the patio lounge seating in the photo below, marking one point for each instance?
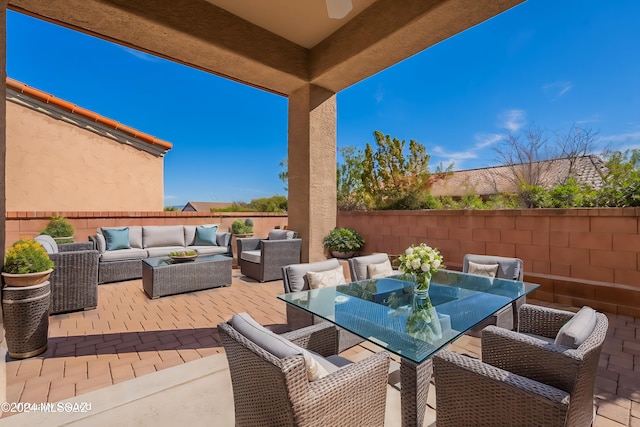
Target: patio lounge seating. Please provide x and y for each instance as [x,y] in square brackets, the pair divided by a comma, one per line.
[74,281]
[295,279]
[263,259]
[542,375]
[502,268]
[277,382]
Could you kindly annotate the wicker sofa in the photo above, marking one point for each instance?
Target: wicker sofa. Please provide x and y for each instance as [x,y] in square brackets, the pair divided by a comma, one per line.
[117,263]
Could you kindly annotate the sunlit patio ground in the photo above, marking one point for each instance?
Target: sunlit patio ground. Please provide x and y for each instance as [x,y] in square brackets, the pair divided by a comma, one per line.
[130,336]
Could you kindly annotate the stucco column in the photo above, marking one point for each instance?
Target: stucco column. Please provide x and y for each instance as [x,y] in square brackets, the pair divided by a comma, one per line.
[312,167]
[3,204]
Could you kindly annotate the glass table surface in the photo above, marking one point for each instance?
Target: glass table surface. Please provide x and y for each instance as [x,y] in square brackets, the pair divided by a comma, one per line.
[382,310]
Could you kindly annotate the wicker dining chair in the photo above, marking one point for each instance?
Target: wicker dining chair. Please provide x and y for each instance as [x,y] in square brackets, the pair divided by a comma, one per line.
[506,268]
[276,391]
[294,279]
[524,378]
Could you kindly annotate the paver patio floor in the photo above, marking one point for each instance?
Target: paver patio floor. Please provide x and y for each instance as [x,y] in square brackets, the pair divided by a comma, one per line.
[129,336]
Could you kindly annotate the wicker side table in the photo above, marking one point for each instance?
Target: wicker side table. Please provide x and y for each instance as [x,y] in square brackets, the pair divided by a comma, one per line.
[26,319]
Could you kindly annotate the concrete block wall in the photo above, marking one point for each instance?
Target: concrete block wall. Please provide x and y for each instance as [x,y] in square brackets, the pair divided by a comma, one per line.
[578,256]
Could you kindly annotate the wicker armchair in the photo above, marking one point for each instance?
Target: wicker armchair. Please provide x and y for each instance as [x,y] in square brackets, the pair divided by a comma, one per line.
[74,281]
[294,278]
[522,379]
[262,259]
[510,269]
[272,391]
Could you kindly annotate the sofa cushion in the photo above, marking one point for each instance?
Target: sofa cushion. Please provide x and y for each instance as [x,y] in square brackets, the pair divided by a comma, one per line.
[116,238]
[251,256]
[509,268]
[206,235]
[360,264]
[208,250]
[154,236]
[577,330]
[223,239]
[275,344]
[164,250]
[297,273]
[47,243]
[190,233]
[277,234]
[123,254]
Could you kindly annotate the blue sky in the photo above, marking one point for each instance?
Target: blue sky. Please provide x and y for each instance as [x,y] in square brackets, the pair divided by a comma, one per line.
[553,63]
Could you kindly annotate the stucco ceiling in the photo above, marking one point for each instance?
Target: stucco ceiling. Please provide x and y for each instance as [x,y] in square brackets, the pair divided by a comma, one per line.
[275,45]
[303,22]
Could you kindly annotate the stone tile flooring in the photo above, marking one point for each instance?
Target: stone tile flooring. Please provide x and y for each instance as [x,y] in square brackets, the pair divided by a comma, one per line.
[129,335]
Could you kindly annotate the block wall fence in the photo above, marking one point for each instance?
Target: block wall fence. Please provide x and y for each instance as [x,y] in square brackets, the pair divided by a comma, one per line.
[578,256]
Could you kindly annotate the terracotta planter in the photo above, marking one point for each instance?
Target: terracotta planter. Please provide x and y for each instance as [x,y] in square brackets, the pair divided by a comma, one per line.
[27,279]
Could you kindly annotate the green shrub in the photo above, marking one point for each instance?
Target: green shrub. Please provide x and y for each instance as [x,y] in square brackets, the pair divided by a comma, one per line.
[58,226]
[343,240]
[26,256]
[242,227]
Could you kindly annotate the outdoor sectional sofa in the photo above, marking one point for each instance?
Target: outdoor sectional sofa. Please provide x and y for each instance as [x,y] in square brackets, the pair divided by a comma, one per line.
[121,249]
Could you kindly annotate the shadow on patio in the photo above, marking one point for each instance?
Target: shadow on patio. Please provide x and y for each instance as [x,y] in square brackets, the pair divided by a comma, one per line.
[143,336]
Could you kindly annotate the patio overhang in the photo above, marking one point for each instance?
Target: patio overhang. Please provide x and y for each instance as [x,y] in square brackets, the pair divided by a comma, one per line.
[276,56]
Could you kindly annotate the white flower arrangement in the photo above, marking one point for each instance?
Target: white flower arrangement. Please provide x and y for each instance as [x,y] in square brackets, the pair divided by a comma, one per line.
[422,261]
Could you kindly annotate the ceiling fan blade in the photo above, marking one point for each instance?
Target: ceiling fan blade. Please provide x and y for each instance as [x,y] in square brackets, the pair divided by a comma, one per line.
[338,9]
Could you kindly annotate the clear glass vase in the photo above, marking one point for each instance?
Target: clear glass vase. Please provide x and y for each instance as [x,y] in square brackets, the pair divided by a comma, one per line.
[423,322]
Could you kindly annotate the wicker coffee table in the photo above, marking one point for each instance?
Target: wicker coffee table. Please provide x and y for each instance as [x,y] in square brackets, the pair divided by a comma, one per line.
[162,276]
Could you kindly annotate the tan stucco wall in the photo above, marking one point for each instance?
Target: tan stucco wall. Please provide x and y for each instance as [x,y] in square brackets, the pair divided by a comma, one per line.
[56,166]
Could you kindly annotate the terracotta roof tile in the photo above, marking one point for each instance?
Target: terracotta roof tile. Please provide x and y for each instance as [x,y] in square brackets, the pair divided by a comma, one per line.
[50,99]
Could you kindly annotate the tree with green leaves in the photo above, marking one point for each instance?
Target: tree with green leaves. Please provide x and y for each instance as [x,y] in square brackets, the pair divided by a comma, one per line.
[621,187]
[393,180]
[350,190]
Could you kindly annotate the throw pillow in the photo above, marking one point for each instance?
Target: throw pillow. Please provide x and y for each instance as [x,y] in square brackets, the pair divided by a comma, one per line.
[206,236]
[275,344]
[575,331]
[281,235]
[382,269]
[487,270]
[324,279]
[116,238]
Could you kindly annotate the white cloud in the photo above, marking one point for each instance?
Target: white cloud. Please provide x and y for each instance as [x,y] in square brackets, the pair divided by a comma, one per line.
[170,197]
[455,157]
[379,96]
[559,89]
[484,140]
[623,137]
[512,120]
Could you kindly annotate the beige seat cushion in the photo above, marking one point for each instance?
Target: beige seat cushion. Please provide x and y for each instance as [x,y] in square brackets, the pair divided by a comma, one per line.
[488,270]
[251,256]
[381,269]
[324,279]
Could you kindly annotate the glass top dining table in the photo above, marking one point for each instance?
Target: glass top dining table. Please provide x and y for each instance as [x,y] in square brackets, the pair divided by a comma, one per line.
[388,312]
[380,310]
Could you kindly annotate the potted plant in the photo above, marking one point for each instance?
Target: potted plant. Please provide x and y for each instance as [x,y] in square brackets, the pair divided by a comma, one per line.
[343,242]
[26,263]
[242,227]
[60,229]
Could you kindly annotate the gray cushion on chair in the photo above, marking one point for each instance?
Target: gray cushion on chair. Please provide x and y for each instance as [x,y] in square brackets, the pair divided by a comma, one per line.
[577,330]
[509,268]
[297,273]
[47,243]
[360,264]
[281,234]
[251,256]
[162,235]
